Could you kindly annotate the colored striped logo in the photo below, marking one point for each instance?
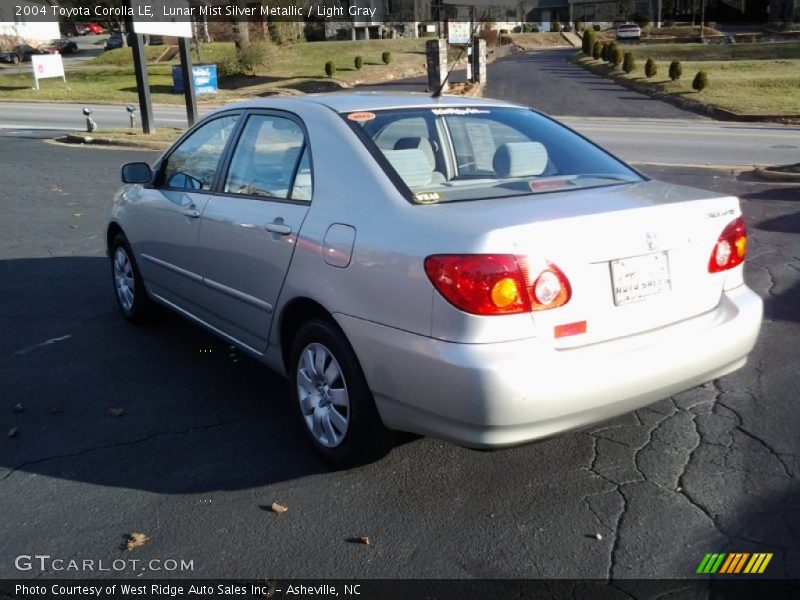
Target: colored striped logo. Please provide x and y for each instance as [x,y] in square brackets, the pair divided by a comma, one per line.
[734,563]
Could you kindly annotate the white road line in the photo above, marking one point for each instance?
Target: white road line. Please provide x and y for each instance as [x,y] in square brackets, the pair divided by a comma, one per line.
[47,343]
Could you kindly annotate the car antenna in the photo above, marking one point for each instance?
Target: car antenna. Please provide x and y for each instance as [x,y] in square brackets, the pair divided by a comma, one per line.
[438,92]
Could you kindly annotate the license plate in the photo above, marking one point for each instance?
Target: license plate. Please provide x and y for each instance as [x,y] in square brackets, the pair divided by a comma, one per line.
[639,277]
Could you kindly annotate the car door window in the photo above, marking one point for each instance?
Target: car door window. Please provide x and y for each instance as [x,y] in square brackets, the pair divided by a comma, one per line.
[270,161]
[192,165]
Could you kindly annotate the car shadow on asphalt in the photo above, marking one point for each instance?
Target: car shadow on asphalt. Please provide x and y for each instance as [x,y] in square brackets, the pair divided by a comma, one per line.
[165,407]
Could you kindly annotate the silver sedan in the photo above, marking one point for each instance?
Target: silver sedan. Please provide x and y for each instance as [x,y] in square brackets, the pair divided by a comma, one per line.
[461,268]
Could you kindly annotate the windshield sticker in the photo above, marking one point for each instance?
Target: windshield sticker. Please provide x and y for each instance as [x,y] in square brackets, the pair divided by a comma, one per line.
[427,197]
[547,184]
[361,116]
[459,111]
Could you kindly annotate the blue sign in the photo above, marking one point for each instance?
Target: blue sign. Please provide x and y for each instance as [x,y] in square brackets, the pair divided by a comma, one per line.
[204,76]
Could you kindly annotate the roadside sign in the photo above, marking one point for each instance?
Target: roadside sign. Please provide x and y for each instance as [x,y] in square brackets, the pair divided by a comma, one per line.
[156,23]
[46,66]
[458,32]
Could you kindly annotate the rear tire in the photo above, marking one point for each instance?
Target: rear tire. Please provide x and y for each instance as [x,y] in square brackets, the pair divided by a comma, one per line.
[333,402]
[132,299]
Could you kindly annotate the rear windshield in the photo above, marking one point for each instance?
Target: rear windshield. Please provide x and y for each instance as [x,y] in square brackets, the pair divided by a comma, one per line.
[451,154]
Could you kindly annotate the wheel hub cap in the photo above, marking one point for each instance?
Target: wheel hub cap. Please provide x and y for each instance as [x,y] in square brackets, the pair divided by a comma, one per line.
[323,396]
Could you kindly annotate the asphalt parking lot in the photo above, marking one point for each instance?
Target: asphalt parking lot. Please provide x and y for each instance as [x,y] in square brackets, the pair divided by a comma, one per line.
[167,431]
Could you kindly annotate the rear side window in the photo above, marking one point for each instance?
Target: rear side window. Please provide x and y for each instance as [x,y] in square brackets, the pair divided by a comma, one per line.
[193,164]
[449,154]
[270,161]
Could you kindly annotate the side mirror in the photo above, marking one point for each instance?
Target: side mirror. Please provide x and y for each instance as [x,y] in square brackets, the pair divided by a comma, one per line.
[137,172]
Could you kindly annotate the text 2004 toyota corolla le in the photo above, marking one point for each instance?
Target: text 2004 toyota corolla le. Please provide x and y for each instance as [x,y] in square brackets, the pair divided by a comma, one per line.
[461,268]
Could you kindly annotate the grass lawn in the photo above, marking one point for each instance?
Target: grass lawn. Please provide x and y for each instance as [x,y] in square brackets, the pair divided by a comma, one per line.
[701,52]
[301,67]
[746,78]
[531,41]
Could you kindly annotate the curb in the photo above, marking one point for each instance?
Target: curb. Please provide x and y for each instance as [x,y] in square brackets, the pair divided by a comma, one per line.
[87,140]
[708,110]
[768,175]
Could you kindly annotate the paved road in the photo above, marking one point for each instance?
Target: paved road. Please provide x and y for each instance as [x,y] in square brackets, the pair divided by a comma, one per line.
[683,141]
[546,81]
[207,440]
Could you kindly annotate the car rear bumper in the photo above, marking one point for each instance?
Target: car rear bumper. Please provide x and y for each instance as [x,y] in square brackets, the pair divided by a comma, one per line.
[493,395]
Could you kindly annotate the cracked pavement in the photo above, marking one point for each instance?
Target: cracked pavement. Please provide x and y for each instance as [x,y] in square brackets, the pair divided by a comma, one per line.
[207,441]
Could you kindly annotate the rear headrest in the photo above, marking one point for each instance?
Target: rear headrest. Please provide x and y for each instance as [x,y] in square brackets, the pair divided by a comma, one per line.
[424,144]
[520,159]
[412,166]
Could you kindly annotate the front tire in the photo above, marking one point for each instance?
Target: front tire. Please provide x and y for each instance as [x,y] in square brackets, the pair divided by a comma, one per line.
[129,289]
[335,406]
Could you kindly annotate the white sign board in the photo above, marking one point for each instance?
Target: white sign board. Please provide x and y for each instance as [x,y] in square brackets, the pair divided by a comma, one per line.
[164,17]
[458,32]
[46,66]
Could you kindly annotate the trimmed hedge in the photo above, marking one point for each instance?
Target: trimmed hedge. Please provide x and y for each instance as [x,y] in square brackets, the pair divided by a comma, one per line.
[650,68]
[628,62]
[675,70]
[330,68]
[700,81]
[358,62]
[616,59]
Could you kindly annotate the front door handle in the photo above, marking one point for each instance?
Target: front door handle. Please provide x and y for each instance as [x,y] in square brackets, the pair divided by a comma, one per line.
[279,227]
[191,211]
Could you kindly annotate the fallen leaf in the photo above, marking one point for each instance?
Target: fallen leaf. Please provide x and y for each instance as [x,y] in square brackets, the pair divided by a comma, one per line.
[115,412]
[78,215]
[19,407]
[278,509]
[12,432]
[361,539]
[134,540]
[73,226]
[598,536]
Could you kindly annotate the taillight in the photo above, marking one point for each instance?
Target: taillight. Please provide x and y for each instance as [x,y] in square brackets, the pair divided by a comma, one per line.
[495,284]
[550,289]
[730,248]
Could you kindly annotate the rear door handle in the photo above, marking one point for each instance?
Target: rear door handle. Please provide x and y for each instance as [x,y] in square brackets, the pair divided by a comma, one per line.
[191,212]
[279,227]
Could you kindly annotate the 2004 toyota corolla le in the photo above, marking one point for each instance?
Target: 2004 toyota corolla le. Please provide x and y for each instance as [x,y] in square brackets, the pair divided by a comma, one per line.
[461,268]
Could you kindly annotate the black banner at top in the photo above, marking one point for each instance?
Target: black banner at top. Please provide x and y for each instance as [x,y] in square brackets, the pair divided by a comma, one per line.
[359,12]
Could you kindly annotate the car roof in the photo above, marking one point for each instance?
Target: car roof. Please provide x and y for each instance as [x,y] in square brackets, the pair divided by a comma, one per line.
[356,101]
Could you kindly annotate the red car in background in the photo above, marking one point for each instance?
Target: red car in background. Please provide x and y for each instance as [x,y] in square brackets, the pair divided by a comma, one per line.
[95,28]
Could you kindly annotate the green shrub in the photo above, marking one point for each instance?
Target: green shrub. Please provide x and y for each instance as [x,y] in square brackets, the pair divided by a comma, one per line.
[253,56]
[330,68]
[700,81]
[617,57]
[557,27]
[650,68]
[675,70]
[506,40]
[587,44]
[596,27]
[604,51]
[386,57]
[597,50]
[358,62]
[628,62]
[245,62]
